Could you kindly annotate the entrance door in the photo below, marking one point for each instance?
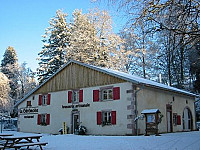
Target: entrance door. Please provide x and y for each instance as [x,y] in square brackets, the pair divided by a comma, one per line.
[169,118]
[187,119]
[75,121]
[168,121]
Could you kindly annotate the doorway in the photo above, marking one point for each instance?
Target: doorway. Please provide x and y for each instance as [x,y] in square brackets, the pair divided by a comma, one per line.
[75,121]
[187,120]
[169,118]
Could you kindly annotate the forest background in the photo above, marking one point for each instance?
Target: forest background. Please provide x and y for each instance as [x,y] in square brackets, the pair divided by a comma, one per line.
[160,41]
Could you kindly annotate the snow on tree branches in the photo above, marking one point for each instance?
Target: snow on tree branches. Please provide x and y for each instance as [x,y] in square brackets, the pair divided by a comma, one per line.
[87,38]
[4,92]
[9,66]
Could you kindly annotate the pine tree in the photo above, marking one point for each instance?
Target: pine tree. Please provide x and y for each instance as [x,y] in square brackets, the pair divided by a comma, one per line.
[53,53]
[87,38]
[9,66]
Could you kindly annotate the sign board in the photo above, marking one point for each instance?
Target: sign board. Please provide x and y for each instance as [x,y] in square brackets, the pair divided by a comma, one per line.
[28,110]
[76,106]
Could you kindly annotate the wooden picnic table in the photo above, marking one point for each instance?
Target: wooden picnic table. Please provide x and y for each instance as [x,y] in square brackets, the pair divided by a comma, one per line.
[11,141]
[3,135]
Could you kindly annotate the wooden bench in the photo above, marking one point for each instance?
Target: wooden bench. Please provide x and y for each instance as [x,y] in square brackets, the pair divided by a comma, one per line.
[17,146]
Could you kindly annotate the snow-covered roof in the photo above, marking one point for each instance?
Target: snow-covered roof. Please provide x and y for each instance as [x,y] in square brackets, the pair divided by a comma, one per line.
[134,79]
[150,111]
[122,75]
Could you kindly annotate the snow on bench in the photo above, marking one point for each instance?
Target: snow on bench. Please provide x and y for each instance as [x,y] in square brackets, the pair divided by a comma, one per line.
[16,146]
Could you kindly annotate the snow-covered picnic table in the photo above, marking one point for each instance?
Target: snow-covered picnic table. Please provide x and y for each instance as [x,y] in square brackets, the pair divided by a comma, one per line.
[22,141]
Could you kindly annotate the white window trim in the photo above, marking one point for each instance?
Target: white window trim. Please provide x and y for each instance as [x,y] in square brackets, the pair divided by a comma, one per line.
[44,99]
[75,96]
[108,120]
[107,89]
[43,119]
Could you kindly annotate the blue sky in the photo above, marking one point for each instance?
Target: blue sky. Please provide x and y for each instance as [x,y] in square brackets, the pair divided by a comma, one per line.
[23,22]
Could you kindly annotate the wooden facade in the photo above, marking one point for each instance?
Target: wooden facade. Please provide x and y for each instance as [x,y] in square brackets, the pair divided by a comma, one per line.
[75,76]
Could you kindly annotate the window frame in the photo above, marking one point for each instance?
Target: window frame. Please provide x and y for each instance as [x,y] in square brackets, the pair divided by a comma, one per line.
[44,99]
[108,93]
[43,119]
[106,117]
[28,104]
[75,96]
[111,117]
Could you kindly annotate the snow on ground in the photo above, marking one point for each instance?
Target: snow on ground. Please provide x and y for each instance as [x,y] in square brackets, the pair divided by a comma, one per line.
[170,141]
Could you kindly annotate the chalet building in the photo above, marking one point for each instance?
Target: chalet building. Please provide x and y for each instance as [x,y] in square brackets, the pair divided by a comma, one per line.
[106,102]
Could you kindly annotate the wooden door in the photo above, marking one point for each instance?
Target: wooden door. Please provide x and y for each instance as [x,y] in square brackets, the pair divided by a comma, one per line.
[169,118]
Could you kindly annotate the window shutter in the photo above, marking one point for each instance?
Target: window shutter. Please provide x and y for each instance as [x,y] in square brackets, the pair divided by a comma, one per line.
[113,117]
[39,119]
[116,93]
[69,96]
[48,119]
[99,118]
[178,120]
[40,100]
[95,95]
[48,99]
[81,96]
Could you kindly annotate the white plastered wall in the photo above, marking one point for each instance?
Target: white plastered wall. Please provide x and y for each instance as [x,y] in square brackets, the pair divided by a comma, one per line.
[88,115]
[149,98]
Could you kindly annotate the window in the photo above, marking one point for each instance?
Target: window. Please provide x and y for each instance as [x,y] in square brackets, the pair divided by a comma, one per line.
[28,103]
[75,96]
[43,119]
[44,99]
[106,118]
[106,93]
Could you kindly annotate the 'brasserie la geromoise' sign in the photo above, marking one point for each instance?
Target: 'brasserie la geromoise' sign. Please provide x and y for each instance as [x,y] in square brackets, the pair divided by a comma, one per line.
[29,110]
[76,106]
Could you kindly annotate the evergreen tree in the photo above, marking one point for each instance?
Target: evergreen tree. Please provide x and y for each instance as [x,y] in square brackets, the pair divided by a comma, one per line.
[93,38]
[87,38]
[9,66]
[53,53]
